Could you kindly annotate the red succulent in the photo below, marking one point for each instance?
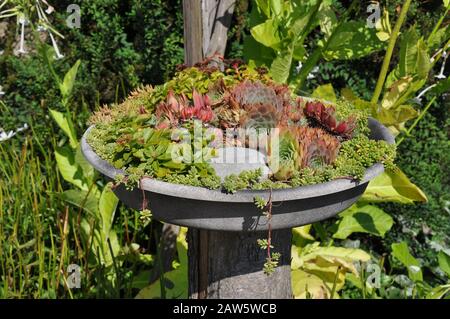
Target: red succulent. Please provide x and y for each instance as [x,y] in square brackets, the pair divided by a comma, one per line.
[325,116]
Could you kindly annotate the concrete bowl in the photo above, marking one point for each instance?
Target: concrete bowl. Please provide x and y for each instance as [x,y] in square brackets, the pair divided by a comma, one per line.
[215,210]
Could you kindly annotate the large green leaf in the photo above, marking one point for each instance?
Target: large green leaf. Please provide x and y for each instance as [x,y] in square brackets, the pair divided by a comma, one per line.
[267,33]
[423,63]
[70,170]
[65,125]
[441,35]
[327,20]
[107,206]
[352,40]
[86,168]
[264,6]
[66,86]
[444,262]
[401,252]
[393,186]
[306,285]
[364,219]
[396,116]
[351,254]
[327,264]
[408,52]
[82,199]
[256,53]
[281,66]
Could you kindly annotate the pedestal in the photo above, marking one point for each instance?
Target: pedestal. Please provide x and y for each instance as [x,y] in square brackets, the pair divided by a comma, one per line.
[230,265]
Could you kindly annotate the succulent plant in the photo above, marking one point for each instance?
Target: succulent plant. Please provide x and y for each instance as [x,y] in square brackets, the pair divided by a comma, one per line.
[325,116]
[318,148]
[260,116]
[174,110]
[250,93]
[284,154]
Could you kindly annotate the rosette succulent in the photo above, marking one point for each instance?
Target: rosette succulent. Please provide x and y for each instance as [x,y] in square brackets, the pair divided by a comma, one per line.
[325,116]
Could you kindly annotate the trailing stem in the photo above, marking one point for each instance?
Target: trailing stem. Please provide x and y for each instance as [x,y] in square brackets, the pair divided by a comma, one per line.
[272,259]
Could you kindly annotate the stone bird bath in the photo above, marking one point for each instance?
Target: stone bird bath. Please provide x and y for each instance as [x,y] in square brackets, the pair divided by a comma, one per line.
[231,262]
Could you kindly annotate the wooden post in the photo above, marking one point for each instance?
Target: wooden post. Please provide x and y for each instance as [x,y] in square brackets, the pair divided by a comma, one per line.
[234,266]
[193,31]
[227,264]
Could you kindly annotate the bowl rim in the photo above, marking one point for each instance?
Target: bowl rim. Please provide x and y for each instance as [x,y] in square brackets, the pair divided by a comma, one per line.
[242,196]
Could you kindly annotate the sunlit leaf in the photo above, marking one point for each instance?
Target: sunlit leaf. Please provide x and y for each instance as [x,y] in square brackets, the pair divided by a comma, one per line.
[364,219]
[107,206]
[352,40]
[267,33]
[65,125]
[70,170]
[66,86]
[393,186]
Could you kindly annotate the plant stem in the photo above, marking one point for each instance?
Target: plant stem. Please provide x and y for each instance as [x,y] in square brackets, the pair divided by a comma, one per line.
[389,51]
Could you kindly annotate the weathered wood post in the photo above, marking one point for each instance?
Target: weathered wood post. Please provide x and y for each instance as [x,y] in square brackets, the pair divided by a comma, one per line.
[227,264]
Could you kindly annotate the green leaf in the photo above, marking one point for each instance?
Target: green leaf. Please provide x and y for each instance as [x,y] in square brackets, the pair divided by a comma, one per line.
[82,199]
[396,116]
[325,92]
[267,33]
[423,63]
[365,219]
[401,252]
[66,126]
[306,285]
[351,254]
[257,53]
[327,20]
[444,262]
[352,40]
[264,6]
[439,37]
[70,170]
[66,86]
[393,186]
[408,52]
[276,6]
[281,66]
[107,206]
[86,168]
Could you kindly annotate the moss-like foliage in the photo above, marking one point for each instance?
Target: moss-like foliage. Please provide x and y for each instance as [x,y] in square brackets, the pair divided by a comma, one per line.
[154,133]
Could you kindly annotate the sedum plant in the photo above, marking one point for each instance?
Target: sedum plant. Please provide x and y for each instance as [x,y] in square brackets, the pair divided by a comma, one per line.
[173,131]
